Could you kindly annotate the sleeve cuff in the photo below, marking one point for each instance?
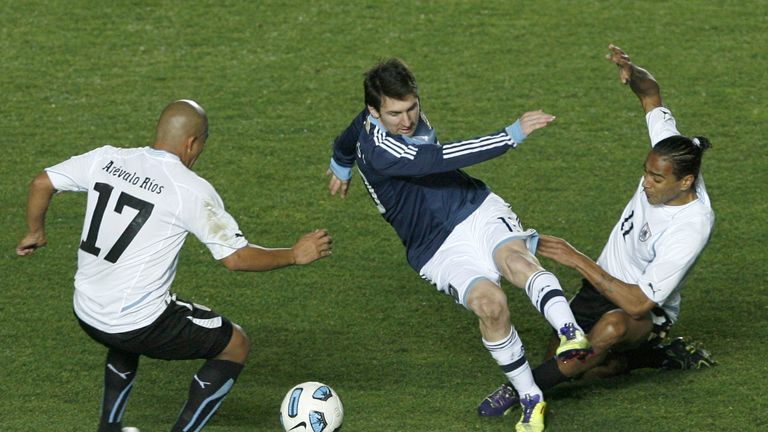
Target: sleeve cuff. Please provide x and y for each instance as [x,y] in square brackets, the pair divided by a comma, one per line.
[516,132]
[341,172]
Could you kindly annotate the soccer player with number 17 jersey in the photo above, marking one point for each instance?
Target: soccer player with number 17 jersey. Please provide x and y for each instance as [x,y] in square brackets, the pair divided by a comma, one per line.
[142,203]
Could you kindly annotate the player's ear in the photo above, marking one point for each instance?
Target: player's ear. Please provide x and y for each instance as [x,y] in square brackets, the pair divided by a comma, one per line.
[373,112]
[687,182]
[189,144]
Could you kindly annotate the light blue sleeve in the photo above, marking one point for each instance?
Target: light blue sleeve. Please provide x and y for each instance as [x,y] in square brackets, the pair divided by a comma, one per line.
[516,132]
[341,172]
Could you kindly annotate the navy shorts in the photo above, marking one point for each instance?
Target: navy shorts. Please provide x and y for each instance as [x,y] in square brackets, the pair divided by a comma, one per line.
[588,306]
[183,331]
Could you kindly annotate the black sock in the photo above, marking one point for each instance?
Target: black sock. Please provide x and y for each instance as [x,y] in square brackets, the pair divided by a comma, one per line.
[209,387]
[644,357]
[548,375]
[119,373]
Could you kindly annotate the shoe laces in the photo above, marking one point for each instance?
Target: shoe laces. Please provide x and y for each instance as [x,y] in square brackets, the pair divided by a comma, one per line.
[502,397]
[569,331]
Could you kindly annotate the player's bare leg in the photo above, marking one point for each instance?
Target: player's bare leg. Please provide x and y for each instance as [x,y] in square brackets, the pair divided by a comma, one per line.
[488,301]
[615,330]
[522,269]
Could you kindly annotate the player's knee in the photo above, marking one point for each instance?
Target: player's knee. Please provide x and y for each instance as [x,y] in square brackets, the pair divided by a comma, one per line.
[238,348]
[609,331]
[490,305]
[244,343]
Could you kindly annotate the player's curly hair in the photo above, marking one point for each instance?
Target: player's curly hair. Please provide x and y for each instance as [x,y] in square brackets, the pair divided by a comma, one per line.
[684,152]
[390,78]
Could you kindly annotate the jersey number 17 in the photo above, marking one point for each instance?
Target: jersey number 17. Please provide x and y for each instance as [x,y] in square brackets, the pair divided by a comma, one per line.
[144,210]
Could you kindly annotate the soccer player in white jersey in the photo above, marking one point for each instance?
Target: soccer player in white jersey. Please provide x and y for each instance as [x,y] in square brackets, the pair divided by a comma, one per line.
[631,295]
[458,234]
[142,203]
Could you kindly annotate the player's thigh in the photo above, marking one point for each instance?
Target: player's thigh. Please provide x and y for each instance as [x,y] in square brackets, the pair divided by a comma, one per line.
[515,262]
[183,331]
[500,234]
[190,331]
[457,267]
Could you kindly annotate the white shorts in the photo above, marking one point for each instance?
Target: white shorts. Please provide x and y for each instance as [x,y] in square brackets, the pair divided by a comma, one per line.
[466,256]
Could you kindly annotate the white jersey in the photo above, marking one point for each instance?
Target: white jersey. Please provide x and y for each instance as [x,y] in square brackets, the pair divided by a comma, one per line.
[654,246]
[141,205]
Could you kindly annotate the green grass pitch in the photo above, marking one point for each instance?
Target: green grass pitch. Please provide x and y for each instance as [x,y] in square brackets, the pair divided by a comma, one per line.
[279,80]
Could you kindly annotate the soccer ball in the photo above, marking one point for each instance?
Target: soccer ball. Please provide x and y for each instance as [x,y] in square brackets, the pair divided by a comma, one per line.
[311,407]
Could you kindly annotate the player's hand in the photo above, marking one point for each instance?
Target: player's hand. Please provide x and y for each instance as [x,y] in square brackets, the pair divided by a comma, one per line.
[558,250]
[30,243]
[311,247]
[621,59]
[336,185]
[534,120]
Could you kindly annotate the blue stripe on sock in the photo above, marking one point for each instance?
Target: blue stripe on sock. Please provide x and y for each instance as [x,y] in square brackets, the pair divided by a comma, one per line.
[210,414]
[220,393]
[119,408]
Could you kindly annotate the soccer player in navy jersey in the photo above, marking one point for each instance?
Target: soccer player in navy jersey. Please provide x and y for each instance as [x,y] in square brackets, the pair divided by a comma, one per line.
[630,296]
[458,234]
[142,203]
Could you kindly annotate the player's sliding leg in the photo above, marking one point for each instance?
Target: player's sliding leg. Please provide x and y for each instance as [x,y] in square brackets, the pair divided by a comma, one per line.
[489,303]
[119,373]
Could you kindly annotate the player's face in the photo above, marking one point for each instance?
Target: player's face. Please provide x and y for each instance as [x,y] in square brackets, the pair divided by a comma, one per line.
[399,117]
[660,184]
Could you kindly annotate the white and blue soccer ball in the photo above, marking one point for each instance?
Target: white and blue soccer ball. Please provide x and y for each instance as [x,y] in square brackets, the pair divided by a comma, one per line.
[311,407]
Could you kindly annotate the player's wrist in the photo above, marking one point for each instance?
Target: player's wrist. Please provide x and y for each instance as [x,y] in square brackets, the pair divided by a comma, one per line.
[341,172]
[515,131]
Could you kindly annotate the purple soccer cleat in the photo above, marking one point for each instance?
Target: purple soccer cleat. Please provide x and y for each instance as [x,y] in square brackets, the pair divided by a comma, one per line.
[500,402]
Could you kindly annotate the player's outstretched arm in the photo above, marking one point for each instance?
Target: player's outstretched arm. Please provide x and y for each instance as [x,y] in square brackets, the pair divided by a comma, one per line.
[628,297]
[41,191]
[640,80]
[309,248]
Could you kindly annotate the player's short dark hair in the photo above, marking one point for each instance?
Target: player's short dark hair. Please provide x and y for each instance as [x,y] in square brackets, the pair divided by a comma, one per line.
[390,78]
[684,152]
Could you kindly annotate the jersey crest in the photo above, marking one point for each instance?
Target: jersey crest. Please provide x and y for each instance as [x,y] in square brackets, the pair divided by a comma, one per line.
[645,232]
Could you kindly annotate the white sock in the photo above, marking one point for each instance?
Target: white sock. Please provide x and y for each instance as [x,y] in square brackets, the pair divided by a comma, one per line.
[510,355]
[547,296]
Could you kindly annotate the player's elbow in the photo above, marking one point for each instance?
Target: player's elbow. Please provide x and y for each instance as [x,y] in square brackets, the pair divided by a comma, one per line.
[232,262]
[641,309]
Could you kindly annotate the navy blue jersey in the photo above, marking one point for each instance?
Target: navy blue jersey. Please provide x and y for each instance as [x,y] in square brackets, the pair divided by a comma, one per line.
[420,189]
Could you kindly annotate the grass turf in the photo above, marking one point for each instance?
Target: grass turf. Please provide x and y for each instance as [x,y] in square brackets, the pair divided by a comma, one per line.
[279,79]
